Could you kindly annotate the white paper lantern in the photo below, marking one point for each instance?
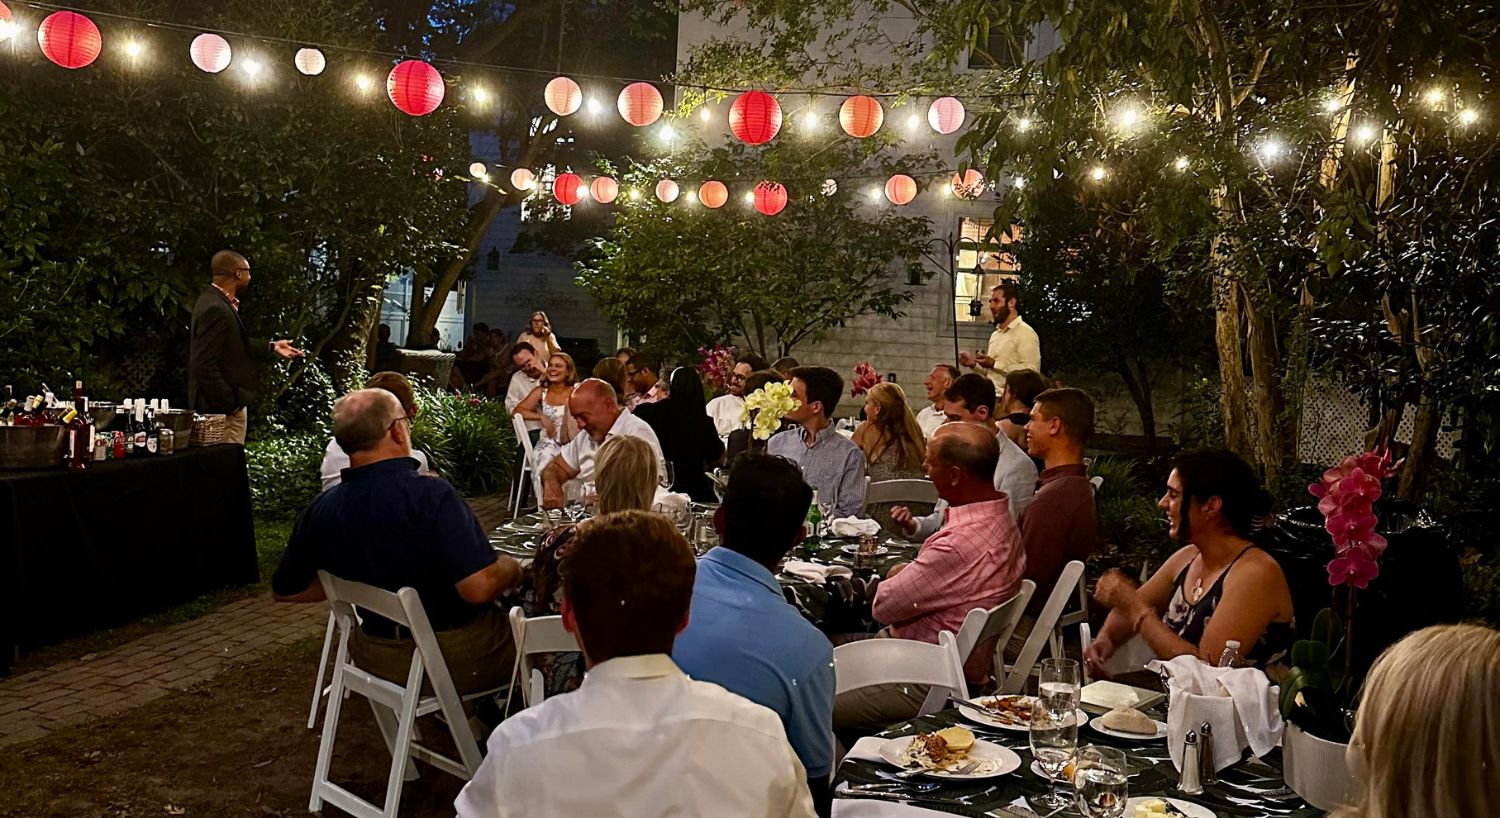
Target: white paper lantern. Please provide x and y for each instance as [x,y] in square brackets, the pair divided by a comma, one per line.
[478,170]
[210,53]
[310,61]
[522,179]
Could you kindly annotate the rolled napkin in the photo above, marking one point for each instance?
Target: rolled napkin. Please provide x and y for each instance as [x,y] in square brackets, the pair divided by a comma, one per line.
[853,527]
[1128,720]
[1240,703]
[813,572]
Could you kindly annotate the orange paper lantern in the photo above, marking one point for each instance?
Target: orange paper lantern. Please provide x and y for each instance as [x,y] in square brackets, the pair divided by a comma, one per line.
[604,189]
[770,197]
[68,38]
[755,117]
[945,115]
[901,189]
[667,190]
[861,116]
[969,185]
[522,179]
[415,87]
[713,195]
[563,96]
[565,188]
[210,53]
[640,104]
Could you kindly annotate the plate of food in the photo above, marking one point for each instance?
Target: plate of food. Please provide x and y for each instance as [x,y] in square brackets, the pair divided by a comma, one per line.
[853,548]
[1129,724]
[1165,808]
[943,753]
[1007,712]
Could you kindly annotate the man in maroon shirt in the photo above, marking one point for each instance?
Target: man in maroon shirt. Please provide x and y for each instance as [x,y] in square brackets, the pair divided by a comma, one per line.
[1060,523]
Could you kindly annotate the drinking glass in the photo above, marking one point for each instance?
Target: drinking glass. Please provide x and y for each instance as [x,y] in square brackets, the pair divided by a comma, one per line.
[1054,743]
[720,480]
[573,500]
[1102,781]
[1058,683]
[667,478]
[826,505]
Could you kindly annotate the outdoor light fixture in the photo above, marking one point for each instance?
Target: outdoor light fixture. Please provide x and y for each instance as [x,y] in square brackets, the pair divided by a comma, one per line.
[1128,117]
[593,106]
[666,134]
[1333,105]
[1098,173]
[1364,133]
[750,198]
[133,48]
[1468,116]
[480,96]
[874,193]
[704,114]
[1019,182]
[252,68]
[1434,96]
[913,122]
[1270,150]
[363,83]
[1023,124]
[810,120]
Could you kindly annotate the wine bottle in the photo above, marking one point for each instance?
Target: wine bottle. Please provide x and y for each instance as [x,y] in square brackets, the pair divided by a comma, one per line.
[153,438]
[79,433]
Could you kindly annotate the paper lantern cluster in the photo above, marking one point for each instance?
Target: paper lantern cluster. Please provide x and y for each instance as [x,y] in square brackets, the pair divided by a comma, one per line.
[640,104]
[69,39]
[415,87]
[861,116]
[563,96]
[770,197]
[755,117]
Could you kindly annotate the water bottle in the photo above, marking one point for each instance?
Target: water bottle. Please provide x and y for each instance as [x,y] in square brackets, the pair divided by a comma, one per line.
[1231,655]
[814,517]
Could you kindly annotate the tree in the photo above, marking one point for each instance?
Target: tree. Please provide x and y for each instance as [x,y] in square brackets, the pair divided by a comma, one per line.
[674,276]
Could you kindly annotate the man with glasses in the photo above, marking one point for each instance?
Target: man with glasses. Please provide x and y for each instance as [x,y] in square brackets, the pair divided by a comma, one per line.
[386,526]
[222,359]
[727,409]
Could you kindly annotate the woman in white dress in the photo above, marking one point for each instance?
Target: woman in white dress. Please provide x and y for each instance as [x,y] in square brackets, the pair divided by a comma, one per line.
[548,405]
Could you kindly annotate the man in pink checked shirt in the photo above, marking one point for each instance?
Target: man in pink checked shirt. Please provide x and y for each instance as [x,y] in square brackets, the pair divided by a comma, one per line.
[974,561]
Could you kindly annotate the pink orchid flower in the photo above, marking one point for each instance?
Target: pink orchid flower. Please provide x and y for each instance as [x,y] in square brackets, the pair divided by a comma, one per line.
[1353,567]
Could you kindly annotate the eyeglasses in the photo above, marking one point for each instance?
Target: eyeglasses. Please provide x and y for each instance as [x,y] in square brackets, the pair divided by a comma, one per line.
[406,418]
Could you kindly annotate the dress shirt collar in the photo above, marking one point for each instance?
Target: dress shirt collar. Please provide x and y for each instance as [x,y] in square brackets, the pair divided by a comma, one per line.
[1009,325]
[1068,470]
[978,512]
[645,666]
[234,302]
[823,434]
[735,562]
[379,469]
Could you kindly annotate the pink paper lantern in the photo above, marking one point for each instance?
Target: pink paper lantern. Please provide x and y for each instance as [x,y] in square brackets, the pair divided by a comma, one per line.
[667,190]
[945,115]
[210,53]
[69,39]
[563,96]
[770,197]
[901,189]
[755,117]
[415,87]
[565,188]
[310,61]
[604,189]
[969,185]
[713,194]
[640,104]
[522,179]
[861,116]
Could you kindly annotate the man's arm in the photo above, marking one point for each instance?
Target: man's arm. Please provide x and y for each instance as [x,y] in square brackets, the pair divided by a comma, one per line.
[554,476]
[921,587]
[296,577]
[1029,349]
[515,392]
[489,582]
[852,484]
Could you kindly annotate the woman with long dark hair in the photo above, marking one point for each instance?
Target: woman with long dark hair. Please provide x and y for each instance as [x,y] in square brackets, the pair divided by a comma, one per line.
[689,440]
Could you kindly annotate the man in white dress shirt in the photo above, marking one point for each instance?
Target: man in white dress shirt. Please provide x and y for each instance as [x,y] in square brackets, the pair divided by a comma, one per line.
[639,737]
[727,409]
[1013,345]
[938,380]
[600,417]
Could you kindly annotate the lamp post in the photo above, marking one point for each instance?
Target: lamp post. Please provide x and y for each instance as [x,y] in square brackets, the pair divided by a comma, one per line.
[949,245]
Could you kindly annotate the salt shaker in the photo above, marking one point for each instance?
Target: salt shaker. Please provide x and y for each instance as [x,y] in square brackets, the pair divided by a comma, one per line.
[1191,783]
[1206,752]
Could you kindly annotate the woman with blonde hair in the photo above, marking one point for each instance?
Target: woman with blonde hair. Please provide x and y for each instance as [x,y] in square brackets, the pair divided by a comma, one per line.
[548,405]
[893,446]
[1427,738]
[539,334]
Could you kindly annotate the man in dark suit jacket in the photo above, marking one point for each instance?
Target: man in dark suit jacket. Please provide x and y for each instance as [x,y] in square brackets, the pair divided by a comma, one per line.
[222,363]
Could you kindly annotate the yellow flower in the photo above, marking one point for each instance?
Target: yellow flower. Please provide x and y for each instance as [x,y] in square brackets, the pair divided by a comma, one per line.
[766,406]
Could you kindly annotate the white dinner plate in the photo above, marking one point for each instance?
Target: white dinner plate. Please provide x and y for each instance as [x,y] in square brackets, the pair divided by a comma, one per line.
[1036,770]
[1161,731]
[853,548]
[996,760]
[1020,727]
[1187,807]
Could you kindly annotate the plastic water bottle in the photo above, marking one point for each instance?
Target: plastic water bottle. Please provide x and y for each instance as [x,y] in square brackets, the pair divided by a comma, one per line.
[1231,655]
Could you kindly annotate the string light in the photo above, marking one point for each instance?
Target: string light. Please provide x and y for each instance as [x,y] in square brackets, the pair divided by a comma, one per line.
[9,29]
[704,114]
[810,121]
[635,195]
[134,49]
[480,96]
[252,68]
[1333,104]
[873,193]
[666,134]
[364,83]
[1023,124]
[1270,150]
[1128,117]
[1019,182]
[593,106]
[913,122]
[1098,173]
[1434,97]
[1364,133]
[1468,116]
[691,197]
[1181,164]
[750,198]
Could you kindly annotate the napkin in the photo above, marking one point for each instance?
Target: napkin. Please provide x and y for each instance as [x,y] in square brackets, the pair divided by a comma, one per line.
[668,502]
[853,527]
[1240,703]
[866,749]
[813,572]
[866,808]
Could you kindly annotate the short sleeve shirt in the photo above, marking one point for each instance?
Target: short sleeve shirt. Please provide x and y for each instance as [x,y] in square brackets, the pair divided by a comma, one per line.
[580,451]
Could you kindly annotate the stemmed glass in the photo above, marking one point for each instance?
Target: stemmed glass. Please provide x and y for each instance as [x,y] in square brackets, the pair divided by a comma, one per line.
[667,478]
[1058,683]
[573,500]
[1054,743]
[1102,780]
[720,479]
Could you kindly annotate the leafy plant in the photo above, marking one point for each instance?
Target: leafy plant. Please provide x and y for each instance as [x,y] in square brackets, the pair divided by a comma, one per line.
[468,440]
[284,473]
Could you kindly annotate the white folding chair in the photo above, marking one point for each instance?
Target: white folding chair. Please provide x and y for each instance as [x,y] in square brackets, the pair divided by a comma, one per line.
[1042,631]
[397,707]
[902,661]
[1096,482]
[997,623]
[900,491]
[539,634]
[523,439]
[318,690]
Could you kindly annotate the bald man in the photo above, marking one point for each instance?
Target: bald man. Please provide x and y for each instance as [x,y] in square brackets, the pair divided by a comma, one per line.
[600,417]
[222,360]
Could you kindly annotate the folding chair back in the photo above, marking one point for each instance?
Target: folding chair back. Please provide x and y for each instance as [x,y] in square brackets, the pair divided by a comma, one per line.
[397,707]
[539,634]
[523,439]
[902,661]
[1079,617]
[900,491]
[1041,631]
[997,623]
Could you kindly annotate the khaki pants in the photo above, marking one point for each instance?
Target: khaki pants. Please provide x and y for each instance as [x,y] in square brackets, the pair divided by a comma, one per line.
[235,424]
[867,710]
[480,656]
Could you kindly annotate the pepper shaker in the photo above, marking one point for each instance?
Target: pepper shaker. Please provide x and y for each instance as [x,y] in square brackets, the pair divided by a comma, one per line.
[1191,783]
[1206,753]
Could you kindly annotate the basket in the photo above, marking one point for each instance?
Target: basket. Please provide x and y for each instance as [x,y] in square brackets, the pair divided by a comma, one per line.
[208,430]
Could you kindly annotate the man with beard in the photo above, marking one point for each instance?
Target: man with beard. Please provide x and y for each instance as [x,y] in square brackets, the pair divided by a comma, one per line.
[1013,344]
[726,409]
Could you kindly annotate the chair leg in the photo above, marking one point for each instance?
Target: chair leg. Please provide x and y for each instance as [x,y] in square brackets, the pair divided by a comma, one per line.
[312,713]
[387,720]
[325,743]
[401,750]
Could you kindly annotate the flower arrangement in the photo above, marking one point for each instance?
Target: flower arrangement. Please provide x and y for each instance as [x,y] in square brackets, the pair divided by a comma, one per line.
[766,406]
[1346,497]
[865,377]
[718,362]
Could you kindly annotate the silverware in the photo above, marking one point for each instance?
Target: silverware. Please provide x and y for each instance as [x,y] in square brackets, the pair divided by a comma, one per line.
[999,715]
[963,769]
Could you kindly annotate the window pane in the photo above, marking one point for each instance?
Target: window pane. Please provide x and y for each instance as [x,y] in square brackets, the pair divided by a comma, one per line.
[992,256]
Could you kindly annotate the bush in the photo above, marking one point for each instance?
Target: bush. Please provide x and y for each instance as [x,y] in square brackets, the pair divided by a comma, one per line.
[468,440]
[1130,524]
[284,473]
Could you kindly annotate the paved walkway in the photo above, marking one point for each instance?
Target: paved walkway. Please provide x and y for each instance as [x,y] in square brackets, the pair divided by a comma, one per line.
[174,658]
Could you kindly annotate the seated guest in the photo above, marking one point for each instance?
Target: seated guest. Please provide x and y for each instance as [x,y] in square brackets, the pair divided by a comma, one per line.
[688,438]
[599,417]
[642,384]
[893,445]
[334,458]
[638,737]
[612,372]
[740,441]
[548,405]
[783,663]
[975,561]
[1021,388]
[1219,586]
[1426,723]
[785,364]
[727,408]
[829,461]
[624,354]
[387,527]
[934,414]
[1060,523]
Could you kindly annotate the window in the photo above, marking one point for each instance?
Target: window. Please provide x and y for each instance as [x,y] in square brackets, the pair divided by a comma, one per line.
[994,262]
[1002,50]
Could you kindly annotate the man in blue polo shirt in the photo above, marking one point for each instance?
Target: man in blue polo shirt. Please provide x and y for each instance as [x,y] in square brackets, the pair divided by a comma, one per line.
[743,635]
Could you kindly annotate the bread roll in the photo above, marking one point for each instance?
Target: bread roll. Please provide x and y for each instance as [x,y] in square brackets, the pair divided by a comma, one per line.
[1128,720]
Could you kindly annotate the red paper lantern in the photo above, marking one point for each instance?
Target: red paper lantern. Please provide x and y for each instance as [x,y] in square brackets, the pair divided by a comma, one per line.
[901,189]
[4,13]
[861,116]
[640,104]
[755,117]
[565,188]
[415,87]
[604,189]
[68,38]
[563,96]
[945,115]
[713,195]
[969,185]
[210,52]
[770,197]
[667,190]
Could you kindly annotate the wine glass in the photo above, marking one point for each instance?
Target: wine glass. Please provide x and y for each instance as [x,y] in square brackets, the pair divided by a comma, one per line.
[1054,744]
[720,479]
[667,478]
[573,500]
[1102,781]
[1058,683]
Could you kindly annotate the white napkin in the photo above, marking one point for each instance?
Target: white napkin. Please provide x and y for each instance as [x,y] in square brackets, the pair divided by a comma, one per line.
[866,749]
[869,808]
[1240,703]
[853,527]
[813,572]
[668,502]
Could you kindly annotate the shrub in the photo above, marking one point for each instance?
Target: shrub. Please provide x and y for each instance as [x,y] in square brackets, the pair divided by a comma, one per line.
[284,473]
[1128,517]
[468,440]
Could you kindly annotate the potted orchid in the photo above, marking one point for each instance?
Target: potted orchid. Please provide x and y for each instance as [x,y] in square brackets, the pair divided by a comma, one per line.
[717,364]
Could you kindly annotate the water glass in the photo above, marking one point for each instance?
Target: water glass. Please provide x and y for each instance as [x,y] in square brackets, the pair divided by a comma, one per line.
[1058,683]
[667,479]
[1102,781]
[1054,744]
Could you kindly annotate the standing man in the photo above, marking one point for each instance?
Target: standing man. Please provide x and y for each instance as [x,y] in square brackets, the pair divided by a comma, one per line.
[222,359]
[726,409]
[932,415]
[830,462]
[1013,344]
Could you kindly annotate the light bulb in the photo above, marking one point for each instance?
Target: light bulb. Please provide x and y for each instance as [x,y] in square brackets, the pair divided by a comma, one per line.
[133,49]
[1023,124]
[1434,96]
[1364,133]
[1019,182]
[363,82]
[1128,116]
[592,106]
[635,195]
[480,96]
[666,134]
[810,121]
[1181,164]
[1468,116]
[913,122]
[1098,173]
[690,197]
[704,114]
[874,193]
[252,67]
[8,29]
[750,197]
[1333,105]
[1270,149]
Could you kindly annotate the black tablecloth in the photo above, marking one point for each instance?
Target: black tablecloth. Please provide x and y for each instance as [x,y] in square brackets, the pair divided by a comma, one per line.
[83,550]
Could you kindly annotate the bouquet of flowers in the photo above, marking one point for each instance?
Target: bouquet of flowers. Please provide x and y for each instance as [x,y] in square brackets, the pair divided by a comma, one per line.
[766,406]
[718,362]
[1346,497]
[865,377]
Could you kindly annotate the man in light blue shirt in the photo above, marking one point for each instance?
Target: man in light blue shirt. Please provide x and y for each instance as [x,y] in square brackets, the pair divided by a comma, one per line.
[743,635]
[830,462]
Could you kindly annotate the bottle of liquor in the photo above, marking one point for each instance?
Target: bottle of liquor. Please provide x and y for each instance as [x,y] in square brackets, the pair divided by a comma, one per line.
[79,434]
[140,428]
[129,409]
[153,438]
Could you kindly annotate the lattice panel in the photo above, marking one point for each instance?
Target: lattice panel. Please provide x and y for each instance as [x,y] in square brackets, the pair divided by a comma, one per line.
[1335,420]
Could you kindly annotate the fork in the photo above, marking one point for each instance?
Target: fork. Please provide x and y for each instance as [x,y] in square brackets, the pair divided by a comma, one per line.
[964,769]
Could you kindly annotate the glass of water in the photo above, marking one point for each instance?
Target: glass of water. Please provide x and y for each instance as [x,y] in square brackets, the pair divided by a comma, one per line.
[1102,781]
[1054,745]
[667,478]
[1058,683]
